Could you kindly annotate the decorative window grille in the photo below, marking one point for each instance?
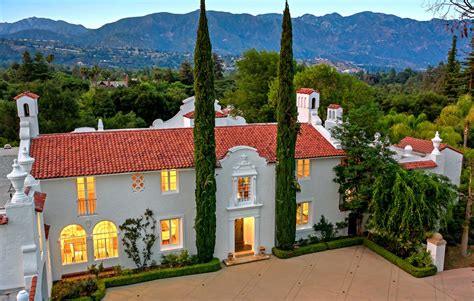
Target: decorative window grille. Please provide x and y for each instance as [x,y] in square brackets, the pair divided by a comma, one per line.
[138,182]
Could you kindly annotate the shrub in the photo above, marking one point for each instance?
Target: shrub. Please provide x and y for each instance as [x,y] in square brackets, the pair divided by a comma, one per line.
[96,270]
[421,259]
[344,242]
[64,290]
[327,229]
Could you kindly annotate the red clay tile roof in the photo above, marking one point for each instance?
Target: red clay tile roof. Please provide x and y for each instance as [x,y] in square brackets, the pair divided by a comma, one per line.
[190,115]
[40,199]
[306,91]
[423,146]
[32,292]
[27,93]
[3,219]
[46,231]
[334,106]
[419,165]
[109,152]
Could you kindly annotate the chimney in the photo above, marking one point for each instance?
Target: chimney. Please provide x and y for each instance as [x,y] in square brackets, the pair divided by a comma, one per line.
[307,101]
[27,109]
[334,116]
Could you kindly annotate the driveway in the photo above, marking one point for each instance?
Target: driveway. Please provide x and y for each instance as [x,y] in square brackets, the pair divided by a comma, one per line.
[354,273]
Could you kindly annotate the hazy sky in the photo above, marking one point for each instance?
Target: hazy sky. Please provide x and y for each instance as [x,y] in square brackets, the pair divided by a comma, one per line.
[95,13]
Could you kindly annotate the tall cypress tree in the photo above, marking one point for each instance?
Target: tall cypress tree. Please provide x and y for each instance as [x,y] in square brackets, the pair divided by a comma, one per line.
[469,68]
[452,72]
[204,142]
[286,140]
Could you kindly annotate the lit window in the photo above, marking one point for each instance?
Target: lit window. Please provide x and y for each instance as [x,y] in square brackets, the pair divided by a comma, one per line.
[138,182]
[244,193]
[73,244]
[40,232]
[303,168]
[86,195]
[169,180]
[302,213]
[170,232]
[105,240]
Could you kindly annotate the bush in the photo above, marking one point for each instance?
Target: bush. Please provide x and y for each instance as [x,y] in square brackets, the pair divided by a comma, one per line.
[177,260]
[421,259]
[317,247]
[83,289]
[344,242]
[401,263]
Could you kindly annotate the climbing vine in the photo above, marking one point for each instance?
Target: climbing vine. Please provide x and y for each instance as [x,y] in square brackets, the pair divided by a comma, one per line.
[139,237]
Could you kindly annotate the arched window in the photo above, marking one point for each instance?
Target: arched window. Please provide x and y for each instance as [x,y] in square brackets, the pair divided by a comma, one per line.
[73,244]
[105,240]
[26,109]
[313,103]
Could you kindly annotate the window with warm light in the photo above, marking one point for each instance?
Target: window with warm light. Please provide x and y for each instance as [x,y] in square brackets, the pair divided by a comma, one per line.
[40,232]
[303,168]
[105,240]
[170,232]
[86,201]
[169,180]
[302,214]
[244,189]
[73,244]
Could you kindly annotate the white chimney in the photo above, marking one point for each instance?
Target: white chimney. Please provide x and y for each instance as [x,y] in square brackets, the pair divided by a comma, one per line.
[307,101]
[27,108]
[334,116]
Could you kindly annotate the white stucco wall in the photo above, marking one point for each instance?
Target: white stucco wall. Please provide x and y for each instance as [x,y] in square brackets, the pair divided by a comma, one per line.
[452,165]
[322,192]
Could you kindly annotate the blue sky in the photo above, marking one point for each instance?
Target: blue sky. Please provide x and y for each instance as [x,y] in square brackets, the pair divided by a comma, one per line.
[95,13]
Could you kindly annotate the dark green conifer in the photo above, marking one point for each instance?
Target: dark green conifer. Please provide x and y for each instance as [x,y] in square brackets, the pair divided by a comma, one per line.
[286,140]
[469,68]
[452,73]
[204,142]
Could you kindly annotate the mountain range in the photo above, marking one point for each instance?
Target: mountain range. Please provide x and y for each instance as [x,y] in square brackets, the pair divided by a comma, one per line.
[365,39]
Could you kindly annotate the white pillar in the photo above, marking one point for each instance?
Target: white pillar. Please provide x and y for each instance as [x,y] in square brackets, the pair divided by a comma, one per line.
[436,246]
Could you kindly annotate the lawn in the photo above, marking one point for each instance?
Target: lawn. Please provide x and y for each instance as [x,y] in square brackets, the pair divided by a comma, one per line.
[454,260]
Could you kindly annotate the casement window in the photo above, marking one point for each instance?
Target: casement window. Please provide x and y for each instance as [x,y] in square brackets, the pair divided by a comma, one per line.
[73,244]
[138,182]
[105,240]
[171,233]
[169,180]
[302,214]
[86,200]
[244,189]
[303,168]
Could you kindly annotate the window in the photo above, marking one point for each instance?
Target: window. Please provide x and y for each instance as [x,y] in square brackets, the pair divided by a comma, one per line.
[40,232]
[244,193]
[303,168]
[86,195]
[170,232]
[73,244]
[302,214]
[313,103]
[169,180]
[138,182]
[105,240]
[26,109]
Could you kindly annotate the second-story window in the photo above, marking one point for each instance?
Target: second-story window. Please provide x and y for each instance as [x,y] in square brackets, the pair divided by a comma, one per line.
[244,189]
[303,168]
[169,180]
[86,200]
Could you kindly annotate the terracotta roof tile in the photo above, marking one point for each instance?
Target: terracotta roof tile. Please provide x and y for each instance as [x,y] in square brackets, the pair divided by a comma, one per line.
[3,219]
[419,165]
[334,106]
[46,231]
[109,152]
[305,91]
[27,93]
[32,291]
[190,115]
[423,146]
[40,199]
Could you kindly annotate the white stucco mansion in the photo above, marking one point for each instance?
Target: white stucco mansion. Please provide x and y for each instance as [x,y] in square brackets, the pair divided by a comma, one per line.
[73,190]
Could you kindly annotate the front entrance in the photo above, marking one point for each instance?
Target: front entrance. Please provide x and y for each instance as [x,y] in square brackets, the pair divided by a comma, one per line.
[244,234]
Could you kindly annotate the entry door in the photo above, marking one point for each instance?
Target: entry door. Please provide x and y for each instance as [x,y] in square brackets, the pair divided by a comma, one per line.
[239,234]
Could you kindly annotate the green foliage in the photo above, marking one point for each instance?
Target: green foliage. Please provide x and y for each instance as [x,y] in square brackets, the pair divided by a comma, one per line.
[401,263]
[95,269]
[421,259]
[406,205]
[121,121]
[452,72]
[177,260]
[327,230]
[65,290]
[204,142]
[139,237]
[317,247]
[286,141]
[255,73]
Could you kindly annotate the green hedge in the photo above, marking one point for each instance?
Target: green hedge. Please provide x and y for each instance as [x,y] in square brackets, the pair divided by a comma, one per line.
[103,284]
[401,263]
[317,247]
[353,241]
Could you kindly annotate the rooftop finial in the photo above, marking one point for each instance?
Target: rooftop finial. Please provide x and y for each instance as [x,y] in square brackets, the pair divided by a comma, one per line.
[17,177]
[436,143]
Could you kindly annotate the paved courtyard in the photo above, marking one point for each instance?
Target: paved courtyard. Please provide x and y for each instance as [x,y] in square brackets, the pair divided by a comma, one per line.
[354,273]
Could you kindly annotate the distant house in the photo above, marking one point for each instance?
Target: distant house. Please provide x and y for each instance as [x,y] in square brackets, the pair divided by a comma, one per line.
[114,84]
